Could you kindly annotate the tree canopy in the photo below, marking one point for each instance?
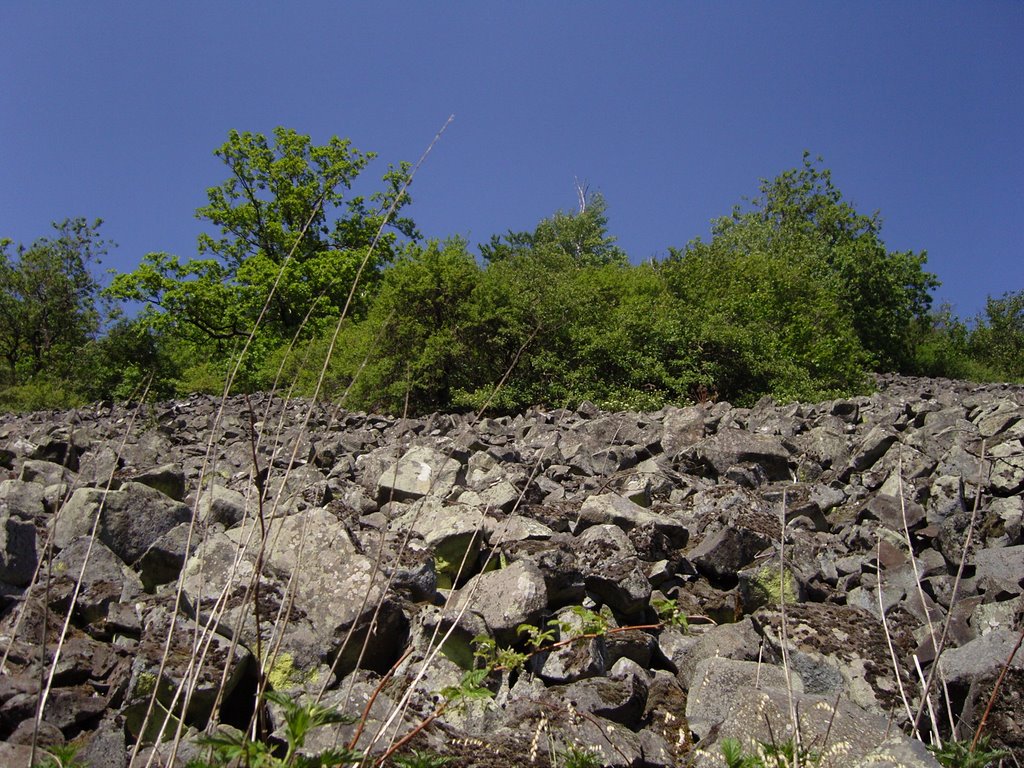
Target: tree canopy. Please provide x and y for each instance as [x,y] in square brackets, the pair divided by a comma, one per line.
[48,299]
[795,295]
[288,248]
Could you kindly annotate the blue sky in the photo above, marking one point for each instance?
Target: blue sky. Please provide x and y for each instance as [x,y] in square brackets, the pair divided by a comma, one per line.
[672,110]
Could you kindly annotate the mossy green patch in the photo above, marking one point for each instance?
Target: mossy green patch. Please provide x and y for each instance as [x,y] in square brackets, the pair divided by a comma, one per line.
[283,674]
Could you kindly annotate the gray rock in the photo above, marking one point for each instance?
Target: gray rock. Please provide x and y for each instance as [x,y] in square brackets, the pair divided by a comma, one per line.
[46,473]
[169,479]
[727,551]
[19,554]
[576,661]
[739,700]
[1007,474]
[893,513]
[612,509]
[611,569]
[872,447]
[165,558]
[621,697]
[130,519]
[734,447]
[218,504]
[22,500]
[454,533]
[506,598]
[105,583]
[421,471]
[997,417]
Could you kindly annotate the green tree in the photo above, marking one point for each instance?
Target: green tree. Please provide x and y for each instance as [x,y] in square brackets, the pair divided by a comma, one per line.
[802,212]
[285,233]
[418,336]
[762,322]
[997,340]
[582,237]
[49,300]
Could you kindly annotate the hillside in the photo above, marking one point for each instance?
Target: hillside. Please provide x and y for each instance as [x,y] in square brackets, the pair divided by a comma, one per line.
[712,572]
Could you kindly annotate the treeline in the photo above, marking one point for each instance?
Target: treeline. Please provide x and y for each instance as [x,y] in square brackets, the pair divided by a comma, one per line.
[302,287]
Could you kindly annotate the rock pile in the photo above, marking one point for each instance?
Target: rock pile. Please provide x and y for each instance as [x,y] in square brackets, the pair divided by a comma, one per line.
[688,576]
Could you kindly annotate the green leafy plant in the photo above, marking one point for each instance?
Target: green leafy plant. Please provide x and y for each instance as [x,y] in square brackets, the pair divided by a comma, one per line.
[671,615]
[768,754]
[231,747]
[470,688]
[536,638]
[61,756]
[591,623]
[575,756]
[963,754]
[420,758]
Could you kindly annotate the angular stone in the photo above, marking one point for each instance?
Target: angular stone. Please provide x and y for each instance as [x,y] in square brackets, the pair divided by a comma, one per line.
[46,473]
[892,513]
[725,702]
[612,509]
[620,698]
[163,561]
[310,563]
[999,573]
[1006,477]
[130,519]
[612,571]
[727,551]
[872,447]
[683,427]
[421,471]
[515,528]
[220,667]
[583,658]
[106,582]
[454,533]
[169,479]
[19,554]
[218,504]
[997,417]
[506,598]
[733,447]
[22,500]
[500,496]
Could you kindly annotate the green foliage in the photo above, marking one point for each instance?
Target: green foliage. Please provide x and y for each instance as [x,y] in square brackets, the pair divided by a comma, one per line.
[39,394]
[959,754]
[770,312]
[418,338]
[420,758]
[671,615]
[289,242]
[591,623]
[232,747]
[48,301]
[796,295]
[470,688]
[575,756]
[127,362]
[61,756]
[768,755]
[580,237]
[537,638]
[884,291]
[998,338]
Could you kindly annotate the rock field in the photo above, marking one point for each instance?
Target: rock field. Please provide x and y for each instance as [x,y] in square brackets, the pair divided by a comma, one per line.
[711,570]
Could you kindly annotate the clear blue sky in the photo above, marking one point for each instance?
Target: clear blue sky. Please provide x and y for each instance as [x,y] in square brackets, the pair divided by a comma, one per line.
[673,110]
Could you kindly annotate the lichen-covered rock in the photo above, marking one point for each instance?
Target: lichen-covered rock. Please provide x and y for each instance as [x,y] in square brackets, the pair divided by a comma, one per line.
[130,519]
[339,545]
